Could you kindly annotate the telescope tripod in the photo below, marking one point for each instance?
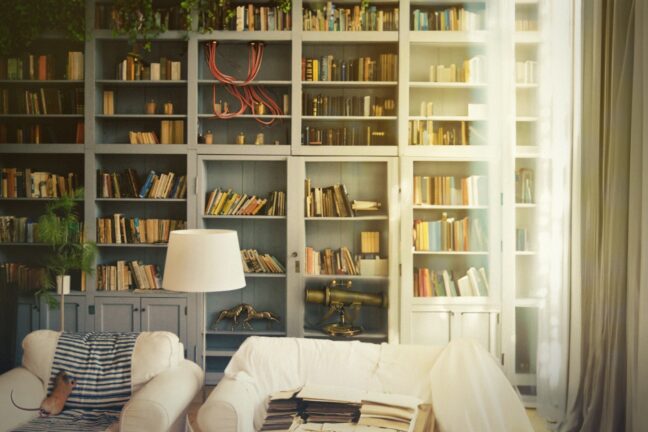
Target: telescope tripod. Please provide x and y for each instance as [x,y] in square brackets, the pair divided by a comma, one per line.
[342,327]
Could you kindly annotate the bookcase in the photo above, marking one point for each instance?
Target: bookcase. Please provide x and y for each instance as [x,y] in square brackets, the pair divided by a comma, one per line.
[364,179]
[258,176]
[380,111]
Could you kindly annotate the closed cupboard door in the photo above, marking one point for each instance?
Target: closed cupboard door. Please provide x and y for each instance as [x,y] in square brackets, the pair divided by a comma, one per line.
[74,315]
[481,327]
[430,328]
[167,314]
[117,314]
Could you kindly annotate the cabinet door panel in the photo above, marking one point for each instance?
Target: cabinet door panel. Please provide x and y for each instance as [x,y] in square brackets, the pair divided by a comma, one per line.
[430,328]
[476,326]
[166,314]
[75,314]
[117,314]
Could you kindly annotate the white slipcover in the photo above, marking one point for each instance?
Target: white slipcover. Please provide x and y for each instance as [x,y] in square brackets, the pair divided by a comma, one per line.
[463,381]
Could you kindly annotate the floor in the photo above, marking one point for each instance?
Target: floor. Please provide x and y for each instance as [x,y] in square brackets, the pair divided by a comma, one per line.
[537,422]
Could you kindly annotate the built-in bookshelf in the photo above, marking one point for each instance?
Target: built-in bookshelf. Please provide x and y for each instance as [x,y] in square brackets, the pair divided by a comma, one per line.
[528,165]
[333,246]
[415,101]
[266,287]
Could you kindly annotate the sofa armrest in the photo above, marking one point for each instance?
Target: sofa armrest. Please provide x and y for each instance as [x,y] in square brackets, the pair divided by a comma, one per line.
[28,392]
[229,408]
[162,403]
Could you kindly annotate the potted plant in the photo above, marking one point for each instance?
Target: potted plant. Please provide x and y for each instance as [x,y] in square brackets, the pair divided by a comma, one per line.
[59,228]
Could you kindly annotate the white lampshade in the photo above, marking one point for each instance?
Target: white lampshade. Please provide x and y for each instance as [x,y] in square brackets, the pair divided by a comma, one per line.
[203,260]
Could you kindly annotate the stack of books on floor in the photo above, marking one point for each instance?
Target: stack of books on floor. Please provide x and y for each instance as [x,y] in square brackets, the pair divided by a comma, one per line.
[338,409]
[282,410]
[388,411]
[324,404]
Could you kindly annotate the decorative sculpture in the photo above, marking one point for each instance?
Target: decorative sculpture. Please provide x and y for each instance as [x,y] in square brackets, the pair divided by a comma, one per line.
[251,313]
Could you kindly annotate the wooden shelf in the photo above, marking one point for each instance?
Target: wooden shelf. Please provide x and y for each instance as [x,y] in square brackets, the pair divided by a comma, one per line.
[142,83]
[446,85]
[448,207]
[348,118]
[142,200]
[457,253]
[350,218]
[448,38]
[267,83]
[259,217]
[349,84]
[350,36]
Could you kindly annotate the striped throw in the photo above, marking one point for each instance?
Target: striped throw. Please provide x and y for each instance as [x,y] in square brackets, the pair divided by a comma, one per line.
[101,365]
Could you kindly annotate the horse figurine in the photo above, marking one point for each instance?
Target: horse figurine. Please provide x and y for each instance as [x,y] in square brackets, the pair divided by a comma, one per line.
[253,314]
[232,313]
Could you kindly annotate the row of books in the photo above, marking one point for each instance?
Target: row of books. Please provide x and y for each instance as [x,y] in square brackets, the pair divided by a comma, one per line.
[525,72]
[329,17]
[21,229]
[449,283]
[327,68]
[25,183]
[134,68]
[261,18]
[450,234]
[125,275]
[254,262]
[524,186]
[41,67]
[521,239]
[171,132]
[107,17]
[323,105]
[331,262]
[41,133]
[15,229]
[344,136]
[128,185]
[450,190]
[330,201]
[450,19]
[44,101]
[526,19]
[430,132]
[25,277]
[119,229]
[472,70]
[325,407]
[221,202]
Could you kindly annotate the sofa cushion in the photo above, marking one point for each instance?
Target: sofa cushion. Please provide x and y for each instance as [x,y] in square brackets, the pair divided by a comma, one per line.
[154,352]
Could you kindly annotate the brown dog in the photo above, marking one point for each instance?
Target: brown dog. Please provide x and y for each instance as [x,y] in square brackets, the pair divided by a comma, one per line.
[55,402]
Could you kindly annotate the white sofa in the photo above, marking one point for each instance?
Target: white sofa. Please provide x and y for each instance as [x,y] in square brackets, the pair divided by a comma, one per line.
[163,383]
[464,383]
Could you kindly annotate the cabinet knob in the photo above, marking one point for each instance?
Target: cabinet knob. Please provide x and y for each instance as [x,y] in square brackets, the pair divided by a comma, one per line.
[294,254]
[143,309]
[135,309]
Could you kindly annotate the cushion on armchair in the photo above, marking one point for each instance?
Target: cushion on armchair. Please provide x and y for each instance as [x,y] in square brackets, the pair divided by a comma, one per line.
[154,353]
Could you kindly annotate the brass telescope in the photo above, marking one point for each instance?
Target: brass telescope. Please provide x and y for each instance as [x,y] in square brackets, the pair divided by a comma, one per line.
[337,299]
[328,296]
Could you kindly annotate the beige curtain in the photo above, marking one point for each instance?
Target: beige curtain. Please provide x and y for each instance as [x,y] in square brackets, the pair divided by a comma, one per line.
[609,361]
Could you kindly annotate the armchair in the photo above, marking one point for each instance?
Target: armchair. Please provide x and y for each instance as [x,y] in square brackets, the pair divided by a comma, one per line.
[163,383]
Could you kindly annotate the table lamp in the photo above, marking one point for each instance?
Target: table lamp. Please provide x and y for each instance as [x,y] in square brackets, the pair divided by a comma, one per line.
[202,261]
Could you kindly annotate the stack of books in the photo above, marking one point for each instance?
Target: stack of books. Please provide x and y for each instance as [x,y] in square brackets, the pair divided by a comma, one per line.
[331,201]
[324,404]
[282,410]
[254,262]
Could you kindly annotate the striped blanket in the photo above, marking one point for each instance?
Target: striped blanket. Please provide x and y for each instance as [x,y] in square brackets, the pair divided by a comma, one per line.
[101,365]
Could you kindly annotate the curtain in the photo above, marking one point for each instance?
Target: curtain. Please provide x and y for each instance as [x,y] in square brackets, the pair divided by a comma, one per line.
[607,377]
[554,197]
